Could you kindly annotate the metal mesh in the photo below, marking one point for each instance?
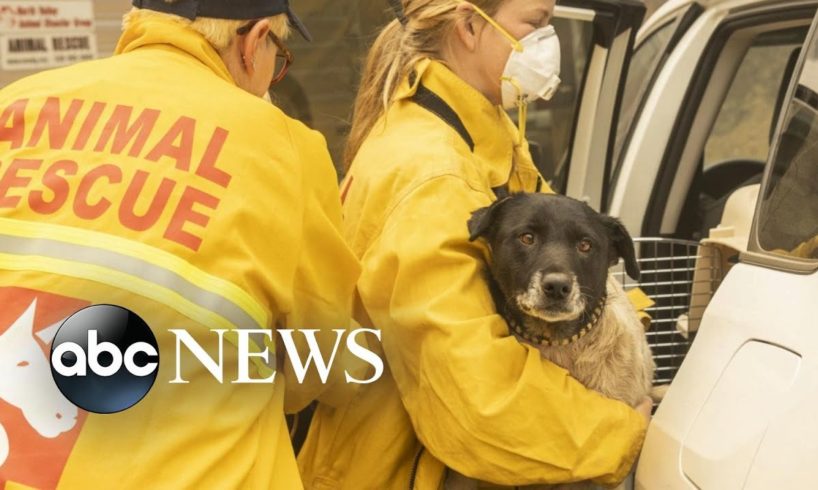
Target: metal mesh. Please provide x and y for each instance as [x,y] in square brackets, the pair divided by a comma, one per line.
[680,276]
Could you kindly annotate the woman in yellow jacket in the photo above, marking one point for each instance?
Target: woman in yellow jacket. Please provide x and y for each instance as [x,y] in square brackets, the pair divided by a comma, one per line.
[158,180]
[430,143]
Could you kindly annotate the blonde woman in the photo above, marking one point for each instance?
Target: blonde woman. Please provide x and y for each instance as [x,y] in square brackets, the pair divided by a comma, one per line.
[160,181]
[430,143]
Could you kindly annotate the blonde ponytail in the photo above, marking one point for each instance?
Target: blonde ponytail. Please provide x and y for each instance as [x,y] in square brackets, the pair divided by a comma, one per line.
[377,84]
[394,54]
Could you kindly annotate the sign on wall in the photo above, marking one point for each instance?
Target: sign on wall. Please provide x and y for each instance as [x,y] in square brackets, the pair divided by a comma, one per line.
[43,34]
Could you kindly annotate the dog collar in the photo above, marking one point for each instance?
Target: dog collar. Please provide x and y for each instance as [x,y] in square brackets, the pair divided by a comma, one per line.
[545,341]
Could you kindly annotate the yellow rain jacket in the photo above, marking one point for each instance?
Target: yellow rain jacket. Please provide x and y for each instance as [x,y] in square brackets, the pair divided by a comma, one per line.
[458,391]
[151,181]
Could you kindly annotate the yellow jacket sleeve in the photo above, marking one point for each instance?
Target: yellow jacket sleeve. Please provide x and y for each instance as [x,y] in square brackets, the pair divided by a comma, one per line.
[480,401]
[324,283]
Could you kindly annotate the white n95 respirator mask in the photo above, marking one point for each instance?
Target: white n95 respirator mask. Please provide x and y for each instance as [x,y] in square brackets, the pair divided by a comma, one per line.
[532,72]
[533,68]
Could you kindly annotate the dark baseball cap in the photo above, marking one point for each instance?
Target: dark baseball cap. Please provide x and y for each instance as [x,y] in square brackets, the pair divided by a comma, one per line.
[227,9]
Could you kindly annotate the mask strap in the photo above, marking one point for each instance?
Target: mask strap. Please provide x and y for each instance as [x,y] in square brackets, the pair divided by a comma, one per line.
[514,42]
[522,109]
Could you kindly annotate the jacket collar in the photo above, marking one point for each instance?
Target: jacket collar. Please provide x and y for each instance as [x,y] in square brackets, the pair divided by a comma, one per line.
[493,132]
[170,34]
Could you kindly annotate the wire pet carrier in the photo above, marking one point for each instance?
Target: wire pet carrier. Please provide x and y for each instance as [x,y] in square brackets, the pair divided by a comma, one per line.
[680,276]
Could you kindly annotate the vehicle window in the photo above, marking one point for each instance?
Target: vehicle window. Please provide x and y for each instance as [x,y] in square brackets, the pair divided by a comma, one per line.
[550,123]
[644,62]
[788,218]
[736,148]
[742,130]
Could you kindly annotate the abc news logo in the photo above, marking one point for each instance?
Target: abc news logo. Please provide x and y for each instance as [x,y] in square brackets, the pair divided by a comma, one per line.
[91,348]
[105,358]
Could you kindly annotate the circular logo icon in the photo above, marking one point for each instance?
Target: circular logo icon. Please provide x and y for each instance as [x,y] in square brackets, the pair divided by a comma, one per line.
[104,358]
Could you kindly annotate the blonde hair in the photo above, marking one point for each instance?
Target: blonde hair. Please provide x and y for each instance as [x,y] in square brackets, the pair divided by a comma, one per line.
[218,32]
[394,54]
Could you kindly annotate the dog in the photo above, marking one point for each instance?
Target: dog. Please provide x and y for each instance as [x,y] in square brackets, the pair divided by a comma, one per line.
[548,275]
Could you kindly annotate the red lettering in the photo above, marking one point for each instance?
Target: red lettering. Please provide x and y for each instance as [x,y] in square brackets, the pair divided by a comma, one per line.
[16,113]
[185,213]
[207,167]
[126,132]
[127,210]
[58,186]
[185,128]
[57,129]
[11,180]
[82,207]
[88,126]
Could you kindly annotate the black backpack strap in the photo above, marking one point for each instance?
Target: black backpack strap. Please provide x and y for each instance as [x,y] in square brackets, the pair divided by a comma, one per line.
[437,106]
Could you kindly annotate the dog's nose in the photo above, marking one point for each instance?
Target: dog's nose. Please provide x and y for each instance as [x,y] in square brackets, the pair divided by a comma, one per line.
[557,285]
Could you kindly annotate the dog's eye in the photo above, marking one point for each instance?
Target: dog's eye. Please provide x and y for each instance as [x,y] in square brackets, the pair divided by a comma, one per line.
[584,245]
[527,239]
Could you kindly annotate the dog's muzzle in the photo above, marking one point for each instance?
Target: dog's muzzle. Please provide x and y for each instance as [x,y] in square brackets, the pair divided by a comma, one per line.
[553,297]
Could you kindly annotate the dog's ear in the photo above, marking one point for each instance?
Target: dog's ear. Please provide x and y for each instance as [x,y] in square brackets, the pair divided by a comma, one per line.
[482,219]
[621,246]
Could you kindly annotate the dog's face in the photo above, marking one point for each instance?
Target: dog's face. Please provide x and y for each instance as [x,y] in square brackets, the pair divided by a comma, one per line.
[551,255]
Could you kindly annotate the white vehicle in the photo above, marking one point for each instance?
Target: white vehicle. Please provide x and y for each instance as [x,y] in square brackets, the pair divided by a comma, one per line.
[741,411]
[707,87]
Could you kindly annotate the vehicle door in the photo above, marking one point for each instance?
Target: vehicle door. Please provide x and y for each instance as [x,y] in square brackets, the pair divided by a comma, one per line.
[741,411]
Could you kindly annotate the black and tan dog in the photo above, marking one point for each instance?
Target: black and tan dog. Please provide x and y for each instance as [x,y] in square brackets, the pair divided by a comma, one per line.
[550,281]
